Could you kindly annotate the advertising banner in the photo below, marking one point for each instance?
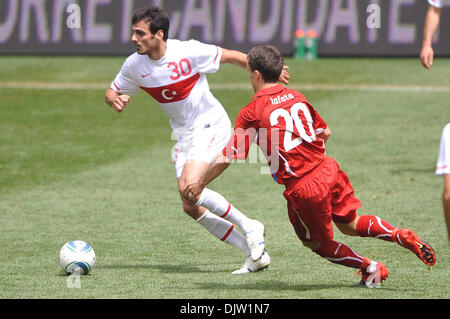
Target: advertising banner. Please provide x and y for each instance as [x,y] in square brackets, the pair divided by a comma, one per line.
[103,27]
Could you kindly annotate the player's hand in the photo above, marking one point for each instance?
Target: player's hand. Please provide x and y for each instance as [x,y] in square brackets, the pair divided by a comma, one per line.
[193,191]
[284,77]
[120,102]
[426,57]
[325,134]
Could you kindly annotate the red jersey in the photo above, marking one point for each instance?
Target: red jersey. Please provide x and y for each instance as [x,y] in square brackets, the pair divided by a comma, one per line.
[285,126]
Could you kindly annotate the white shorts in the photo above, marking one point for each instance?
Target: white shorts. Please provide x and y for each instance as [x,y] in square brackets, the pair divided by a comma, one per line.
[202,145]
[443,163]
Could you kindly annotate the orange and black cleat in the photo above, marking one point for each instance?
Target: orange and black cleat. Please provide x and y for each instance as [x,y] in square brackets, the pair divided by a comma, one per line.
[410,240]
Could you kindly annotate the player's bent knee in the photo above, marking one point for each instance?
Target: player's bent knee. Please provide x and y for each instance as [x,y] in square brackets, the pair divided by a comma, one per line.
[311,244]
[348,229]
[192,210]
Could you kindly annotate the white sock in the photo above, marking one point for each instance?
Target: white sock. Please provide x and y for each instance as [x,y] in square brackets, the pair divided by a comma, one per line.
[225,231]
[218,205]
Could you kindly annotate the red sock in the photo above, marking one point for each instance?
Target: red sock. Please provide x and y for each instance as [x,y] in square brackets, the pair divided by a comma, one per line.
[339,253]
[374,226]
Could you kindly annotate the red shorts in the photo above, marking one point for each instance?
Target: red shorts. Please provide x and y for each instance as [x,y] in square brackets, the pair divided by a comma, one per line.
[321,197]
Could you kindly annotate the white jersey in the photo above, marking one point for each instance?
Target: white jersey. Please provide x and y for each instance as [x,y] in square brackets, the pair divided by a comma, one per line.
[178,84]
[443,163]
[438,3]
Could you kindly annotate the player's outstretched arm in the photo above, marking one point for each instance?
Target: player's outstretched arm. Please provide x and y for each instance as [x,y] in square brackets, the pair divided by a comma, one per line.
[234,57]
[117,101]
[240,59]
[431,23]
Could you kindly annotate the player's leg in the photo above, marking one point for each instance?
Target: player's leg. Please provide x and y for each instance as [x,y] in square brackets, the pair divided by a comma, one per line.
[345,205]
[365,226]
[349,223]
[253,230]
[446,203]
[310,213]
[313,227]
[372,272]
[204,148]
[315,232]
[374,226]
[218,227]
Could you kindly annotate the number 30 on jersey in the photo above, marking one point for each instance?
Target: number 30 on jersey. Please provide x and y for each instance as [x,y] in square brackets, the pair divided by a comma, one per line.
[181,68]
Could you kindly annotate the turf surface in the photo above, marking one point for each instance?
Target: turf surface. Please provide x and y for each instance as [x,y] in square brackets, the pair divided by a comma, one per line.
[71,168]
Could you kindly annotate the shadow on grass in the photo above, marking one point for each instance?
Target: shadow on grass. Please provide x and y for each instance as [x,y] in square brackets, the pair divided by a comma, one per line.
[264,285]
[274,285]
[400,171]
[164,268]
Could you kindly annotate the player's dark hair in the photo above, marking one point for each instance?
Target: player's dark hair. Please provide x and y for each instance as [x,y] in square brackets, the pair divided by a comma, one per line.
[267,60]
[158,19]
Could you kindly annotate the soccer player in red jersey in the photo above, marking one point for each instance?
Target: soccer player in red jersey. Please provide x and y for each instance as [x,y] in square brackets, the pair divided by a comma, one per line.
[292,136]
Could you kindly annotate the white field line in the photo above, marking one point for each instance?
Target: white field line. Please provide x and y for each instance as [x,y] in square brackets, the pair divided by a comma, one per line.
[240,86]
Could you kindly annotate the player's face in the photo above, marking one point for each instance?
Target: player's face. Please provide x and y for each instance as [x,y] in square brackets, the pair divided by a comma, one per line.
[145,41]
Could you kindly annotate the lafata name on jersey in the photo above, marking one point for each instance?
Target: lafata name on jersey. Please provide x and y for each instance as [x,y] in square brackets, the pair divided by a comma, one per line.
[279,99]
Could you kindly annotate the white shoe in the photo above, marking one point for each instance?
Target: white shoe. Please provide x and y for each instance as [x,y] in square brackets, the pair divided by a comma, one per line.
[252,266]
[255,240]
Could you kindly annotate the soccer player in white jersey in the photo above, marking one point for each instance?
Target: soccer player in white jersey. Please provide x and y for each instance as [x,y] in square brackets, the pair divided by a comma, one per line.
[174,72]
[443,169]
[432,20]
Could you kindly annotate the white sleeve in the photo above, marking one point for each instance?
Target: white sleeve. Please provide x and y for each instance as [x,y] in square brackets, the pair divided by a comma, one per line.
[206,56]
[443,163]
[437,3]
[123,83]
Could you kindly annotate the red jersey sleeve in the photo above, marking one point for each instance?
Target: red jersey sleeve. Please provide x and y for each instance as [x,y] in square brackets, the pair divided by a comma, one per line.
[319,124]
[245,131]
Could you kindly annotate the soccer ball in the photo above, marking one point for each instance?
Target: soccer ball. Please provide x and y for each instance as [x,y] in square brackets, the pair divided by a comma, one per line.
[75,256]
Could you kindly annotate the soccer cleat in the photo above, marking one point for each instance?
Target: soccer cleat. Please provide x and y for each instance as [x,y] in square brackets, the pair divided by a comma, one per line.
[255,240]
[410,240]
[372,273]
[253,266]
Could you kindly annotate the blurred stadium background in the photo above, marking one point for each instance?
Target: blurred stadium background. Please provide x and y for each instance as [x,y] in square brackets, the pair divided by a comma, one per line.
[344,27]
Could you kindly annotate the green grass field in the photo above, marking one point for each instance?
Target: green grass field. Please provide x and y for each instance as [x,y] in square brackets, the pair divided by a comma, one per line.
[72,168]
